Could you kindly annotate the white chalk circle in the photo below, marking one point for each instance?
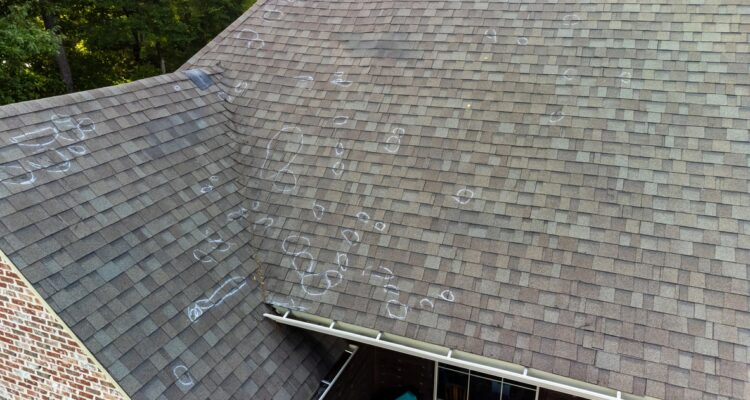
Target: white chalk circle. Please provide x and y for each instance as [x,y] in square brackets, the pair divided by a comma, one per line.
[425,303]
[363,217]
[351,237]
[556,116]
[86,125]
[219,244]
[240,88]
[17,174]
[304,81]
[625,77]
[342,260]
[571,20]
[203,257]
[266,222]
[304,261]
[570,74]
[39,138]
[318,211]
[380,226]
[297,241]
[283,179]
[392,144]
[239,214]
[340,120]
[253,39]
[183,377]
[447,295]
[339,80]
[224,97]
[463,196]
[522,41]
[339,149]
[338,168]
[491,35]
[272,15]
[77,150]
[397,309]
[330,280]
[383,276]
[63,122]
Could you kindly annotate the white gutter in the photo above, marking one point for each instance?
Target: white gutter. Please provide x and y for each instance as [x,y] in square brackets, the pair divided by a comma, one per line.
[445,359]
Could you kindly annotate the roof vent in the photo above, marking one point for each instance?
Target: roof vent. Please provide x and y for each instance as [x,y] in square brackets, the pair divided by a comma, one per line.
[200,78]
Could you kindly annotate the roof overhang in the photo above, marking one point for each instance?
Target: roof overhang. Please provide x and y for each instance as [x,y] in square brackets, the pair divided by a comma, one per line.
[445,355]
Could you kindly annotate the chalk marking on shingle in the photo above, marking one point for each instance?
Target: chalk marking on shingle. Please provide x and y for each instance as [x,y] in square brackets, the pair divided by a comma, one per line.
[491,34]
[338,168]
[363,217]
[447,295]
[181,372]
[275,177]
[199,307]
[401,311]
[463,196]
[340,80]
[254,38]
[318,211]
[571,20]
[265,221]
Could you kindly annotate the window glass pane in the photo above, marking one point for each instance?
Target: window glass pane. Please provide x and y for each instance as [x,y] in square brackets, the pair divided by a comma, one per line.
[513,392]
[452,385]
[486,376]
[546,394]
[455,368]
[484,389]
[526,385]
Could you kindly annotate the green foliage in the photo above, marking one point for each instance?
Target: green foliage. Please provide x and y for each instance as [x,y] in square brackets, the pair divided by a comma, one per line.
[107,42]
[25,48]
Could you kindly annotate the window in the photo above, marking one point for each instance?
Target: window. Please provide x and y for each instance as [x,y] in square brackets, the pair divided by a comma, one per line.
[455,383]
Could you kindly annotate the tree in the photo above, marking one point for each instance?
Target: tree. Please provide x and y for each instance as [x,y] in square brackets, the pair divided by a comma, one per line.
[107,42]
[25,47]
[49,16]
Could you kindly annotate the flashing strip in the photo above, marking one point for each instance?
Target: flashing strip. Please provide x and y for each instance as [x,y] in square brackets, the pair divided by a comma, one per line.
[328,327]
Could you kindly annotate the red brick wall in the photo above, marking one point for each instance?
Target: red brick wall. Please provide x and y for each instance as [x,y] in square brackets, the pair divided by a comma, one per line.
[39,358]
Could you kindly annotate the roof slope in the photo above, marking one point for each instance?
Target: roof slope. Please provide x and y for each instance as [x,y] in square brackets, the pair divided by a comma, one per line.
[555,184]
[122,206]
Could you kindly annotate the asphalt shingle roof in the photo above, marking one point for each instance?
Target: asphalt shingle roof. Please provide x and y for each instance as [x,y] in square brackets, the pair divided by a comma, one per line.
[123,207]
[556,184]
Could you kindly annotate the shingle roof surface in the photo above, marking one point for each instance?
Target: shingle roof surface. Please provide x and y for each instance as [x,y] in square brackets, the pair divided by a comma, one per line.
[563,185]
[122,206]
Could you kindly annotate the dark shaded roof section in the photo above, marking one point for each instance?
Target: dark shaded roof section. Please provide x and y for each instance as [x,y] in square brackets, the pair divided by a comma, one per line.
[559,185]
[556,184]
[123,207]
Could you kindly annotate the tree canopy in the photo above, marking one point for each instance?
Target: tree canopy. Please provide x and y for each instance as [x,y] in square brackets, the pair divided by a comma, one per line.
[50,47]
